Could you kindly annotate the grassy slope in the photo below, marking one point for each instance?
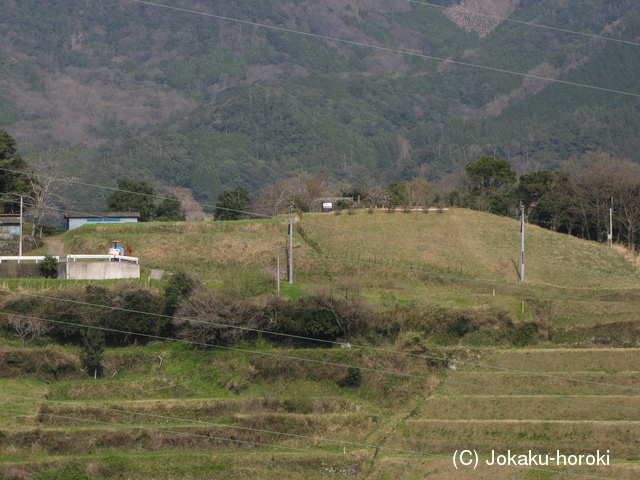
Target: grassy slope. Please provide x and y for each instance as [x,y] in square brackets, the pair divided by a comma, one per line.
[455,258]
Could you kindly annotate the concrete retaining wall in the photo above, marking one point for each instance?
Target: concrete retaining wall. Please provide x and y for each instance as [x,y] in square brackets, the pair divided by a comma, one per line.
[19,270]
[98,270]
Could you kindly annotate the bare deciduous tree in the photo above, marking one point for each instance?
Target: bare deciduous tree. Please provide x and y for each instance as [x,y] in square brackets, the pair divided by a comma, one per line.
[47,184]
[28,329]
[415,192]
[217,320]
[274,200]
[376,194]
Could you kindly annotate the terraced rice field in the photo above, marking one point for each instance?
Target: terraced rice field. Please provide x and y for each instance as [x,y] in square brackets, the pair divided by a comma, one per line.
[197,423]
[572,401]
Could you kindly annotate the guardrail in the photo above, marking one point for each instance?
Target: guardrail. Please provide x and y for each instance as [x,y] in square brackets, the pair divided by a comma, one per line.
[69,258]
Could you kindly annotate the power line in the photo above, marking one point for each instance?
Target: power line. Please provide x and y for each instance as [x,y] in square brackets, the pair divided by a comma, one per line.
[277,446]
[522,22]
[359,232]
[447,247]
[114,189]
[232,440]
[389,49]
[157,337]
[364,233]
[224,439]
[405,240]
[162,226]
[372,370]
[530,394]
[141,427]
[221,347]
[221,425]
[351,260]
[262,431]
[299,337]
[466,279]
[553,264]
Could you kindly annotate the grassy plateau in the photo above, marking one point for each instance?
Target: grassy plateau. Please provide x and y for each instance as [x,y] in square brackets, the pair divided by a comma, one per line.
[478,360]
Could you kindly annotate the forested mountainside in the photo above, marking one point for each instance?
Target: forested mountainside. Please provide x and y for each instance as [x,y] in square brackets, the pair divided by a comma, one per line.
[247,92]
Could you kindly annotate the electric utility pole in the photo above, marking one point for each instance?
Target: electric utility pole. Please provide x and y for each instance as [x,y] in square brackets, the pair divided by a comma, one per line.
[291,244]
[611,224]
[20,246]
[522,244]
[278,270]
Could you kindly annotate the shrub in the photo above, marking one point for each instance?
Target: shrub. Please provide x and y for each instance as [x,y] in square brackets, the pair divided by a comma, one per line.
[136,312]
[353,378]
[322,324]
[114,466]
[411,342]
[524,334]
[218,319]
[71,471]
[139,314]
[387,329]
[49,267]
[93,351]
[178,287]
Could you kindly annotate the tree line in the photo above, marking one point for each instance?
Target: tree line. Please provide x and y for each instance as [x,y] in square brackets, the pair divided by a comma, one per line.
[581,199]
[575,199]
[127,314]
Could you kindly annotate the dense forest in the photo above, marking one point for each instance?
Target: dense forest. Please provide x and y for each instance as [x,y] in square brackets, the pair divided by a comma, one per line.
[251,93]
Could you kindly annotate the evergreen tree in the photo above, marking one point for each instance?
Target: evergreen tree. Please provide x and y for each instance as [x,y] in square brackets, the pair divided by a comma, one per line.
[92,351]
[169,210]
[232,204]
[491,173]
[132,196]
[11,178]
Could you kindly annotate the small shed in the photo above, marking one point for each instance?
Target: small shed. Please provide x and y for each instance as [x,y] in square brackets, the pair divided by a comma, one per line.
[328,204]
[9,226]
[76,220]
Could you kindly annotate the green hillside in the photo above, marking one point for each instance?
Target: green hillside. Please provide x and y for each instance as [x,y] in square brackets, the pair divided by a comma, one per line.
[456,258]
[464,367]
[181,97]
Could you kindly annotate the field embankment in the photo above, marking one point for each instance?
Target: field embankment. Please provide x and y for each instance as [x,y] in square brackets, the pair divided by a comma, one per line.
[404,338]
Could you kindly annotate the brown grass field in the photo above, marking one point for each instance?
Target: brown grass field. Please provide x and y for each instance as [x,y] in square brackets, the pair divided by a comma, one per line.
[209,414]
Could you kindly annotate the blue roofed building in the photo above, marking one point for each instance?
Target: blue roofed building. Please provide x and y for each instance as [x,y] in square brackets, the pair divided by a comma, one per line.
[76,220]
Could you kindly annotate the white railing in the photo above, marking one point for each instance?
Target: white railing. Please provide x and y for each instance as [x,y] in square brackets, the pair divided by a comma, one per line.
[24,258]
[69,258]
[119,258]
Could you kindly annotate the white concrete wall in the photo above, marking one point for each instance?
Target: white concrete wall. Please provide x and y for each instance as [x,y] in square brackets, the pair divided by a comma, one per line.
[98,270]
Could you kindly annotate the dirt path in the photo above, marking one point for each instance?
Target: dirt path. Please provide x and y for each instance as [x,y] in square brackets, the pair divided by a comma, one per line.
[55,246]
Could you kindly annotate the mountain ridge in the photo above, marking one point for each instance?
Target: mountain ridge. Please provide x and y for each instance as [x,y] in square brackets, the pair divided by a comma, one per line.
[191,101]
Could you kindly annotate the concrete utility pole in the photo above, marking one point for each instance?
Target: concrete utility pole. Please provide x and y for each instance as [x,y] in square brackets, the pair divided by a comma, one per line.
[522,245]
[278,270]
[20,246]
[21,216]
[291,244]
[611,225]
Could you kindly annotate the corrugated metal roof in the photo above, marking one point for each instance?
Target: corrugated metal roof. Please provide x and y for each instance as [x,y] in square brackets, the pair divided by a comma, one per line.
[9,219]
[103,215]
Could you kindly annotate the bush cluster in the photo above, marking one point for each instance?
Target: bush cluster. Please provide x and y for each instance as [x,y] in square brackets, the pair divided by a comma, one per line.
[128,314]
